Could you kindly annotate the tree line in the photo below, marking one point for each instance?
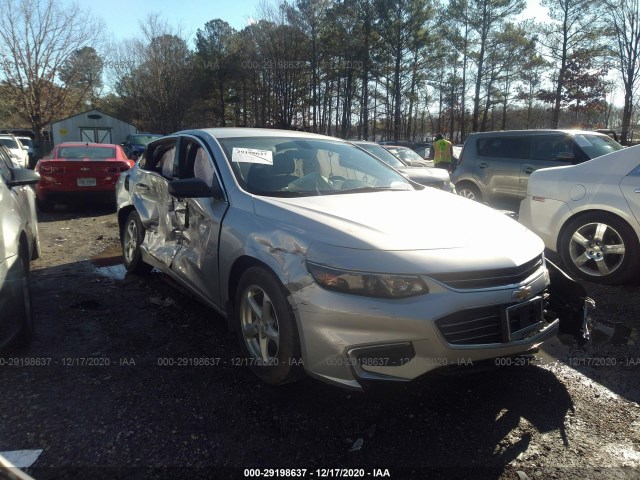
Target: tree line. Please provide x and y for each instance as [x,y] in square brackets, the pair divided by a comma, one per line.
[367,69]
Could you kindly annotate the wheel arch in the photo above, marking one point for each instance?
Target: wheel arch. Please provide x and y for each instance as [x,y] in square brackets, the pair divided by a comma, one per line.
[473,185]
[123,213]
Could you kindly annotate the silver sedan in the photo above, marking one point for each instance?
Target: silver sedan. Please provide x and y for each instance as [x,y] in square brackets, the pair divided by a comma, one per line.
[305,244]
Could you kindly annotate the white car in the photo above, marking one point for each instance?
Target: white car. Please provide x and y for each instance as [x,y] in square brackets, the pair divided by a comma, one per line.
[590,214]
[19,153]
[18,245]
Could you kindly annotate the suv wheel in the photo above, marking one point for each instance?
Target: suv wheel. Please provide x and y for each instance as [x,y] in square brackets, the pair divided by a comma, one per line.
[469,191]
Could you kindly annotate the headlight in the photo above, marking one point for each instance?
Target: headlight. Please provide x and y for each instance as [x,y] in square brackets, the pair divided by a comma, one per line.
[368,284]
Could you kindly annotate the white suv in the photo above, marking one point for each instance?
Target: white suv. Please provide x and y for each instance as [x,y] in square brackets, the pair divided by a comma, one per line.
[19,153]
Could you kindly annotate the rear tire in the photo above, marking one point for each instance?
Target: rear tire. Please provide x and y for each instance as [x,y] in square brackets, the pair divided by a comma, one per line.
[267,328]
[469,191]
[601,248]
[132,236]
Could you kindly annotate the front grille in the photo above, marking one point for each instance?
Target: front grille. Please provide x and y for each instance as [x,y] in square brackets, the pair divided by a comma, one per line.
[473,326]
[489,278]
[482,325]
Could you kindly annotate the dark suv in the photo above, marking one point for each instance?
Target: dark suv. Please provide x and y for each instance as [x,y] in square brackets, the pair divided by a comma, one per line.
[494,167]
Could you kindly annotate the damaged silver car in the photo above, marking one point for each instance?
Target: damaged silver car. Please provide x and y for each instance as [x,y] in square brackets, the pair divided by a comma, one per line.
[305,245]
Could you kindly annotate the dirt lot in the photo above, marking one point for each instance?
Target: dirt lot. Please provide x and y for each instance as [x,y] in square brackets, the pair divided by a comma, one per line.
[93,393]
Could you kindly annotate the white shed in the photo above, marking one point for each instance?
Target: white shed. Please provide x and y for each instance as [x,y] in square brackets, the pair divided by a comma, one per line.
[93,126]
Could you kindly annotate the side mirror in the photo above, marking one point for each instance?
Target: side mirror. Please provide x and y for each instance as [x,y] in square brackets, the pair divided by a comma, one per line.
[193,188]
[23,176]
[25,148]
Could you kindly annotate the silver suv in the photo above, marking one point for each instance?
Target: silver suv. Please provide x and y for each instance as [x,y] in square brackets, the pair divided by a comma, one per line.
[494,167]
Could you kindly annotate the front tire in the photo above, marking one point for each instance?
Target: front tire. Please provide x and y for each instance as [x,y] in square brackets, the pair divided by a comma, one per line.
[267,328]
[601,248]
[23,314]
[132,236]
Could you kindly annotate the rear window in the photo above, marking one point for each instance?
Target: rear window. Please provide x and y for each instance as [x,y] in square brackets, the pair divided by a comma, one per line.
[504,147]
[596,145]
[99,153]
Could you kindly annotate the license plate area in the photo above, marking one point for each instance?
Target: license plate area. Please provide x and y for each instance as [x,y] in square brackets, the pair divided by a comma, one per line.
[523,320]
[86,182]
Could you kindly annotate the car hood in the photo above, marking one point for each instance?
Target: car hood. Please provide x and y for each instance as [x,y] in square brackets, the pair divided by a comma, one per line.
[458,229]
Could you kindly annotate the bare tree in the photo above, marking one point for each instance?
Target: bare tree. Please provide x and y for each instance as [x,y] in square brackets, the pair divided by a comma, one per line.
[625,15]
[37,37]
[154,76]
[575,26]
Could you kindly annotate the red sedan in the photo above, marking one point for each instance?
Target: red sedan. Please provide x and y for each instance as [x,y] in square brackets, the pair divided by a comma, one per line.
[80,172]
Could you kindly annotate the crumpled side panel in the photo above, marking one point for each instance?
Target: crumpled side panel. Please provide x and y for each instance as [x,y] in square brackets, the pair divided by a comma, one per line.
[156,209]
[285,254]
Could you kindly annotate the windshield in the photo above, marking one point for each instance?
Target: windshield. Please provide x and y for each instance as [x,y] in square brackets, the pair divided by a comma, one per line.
[9,143]
[597,145]
[382,153]
[25,141]
[143,139]
[281,166]
[70,153]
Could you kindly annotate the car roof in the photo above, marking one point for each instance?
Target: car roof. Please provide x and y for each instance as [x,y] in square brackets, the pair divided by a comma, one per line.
[86,144]
[539,131]
[237,132]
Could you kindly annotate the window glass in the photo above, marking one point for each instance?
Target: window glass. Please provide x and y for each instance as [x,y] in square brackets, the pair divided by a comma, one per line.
[281,166]
[550,147]
[504,147]
[5,163]
[596,145]
[96,153]
[9,142]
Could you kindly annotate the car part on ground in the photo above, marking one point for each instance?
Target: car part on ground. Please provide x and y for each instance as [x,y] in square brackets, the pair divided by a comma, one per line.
[590,214]
[494,167]
[305,245]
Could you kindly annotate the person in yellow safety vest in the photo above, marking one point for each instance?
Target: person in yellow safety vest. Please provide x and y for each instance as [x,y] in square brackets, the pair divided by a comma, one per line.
[441,152]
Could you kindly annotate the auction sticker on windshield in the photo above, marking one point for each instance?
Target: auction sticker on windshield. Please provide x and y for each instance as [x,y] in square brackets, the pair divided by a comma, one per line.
[251,155]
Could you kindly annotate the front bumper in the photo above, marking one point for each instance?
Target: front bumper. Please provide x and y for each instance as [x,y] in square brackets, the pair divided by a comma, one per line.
[347,338]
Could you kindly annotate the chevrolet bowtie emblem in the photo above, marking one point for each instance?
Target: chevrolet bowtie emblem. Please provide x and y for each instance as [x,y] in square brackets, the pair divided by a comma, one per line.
[522,293]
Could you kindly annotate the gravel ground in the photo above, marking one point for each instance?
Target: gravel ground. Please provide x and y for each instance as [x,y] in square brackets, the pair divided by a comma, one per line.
[101,404]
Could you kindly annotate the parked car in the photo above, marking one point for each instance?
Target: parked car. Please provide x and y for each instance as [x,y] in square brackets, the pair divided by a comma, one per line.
[494,167]
[28,142]
[18,246]
[305,245]
[18,152]
[134,145]
[429,177]
[590,214]
[408,156]
[80,172]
